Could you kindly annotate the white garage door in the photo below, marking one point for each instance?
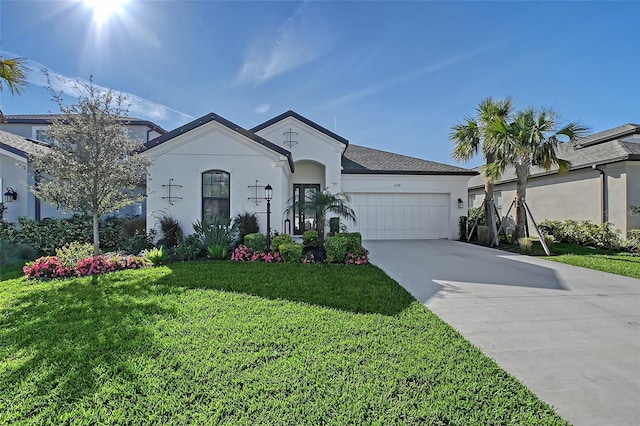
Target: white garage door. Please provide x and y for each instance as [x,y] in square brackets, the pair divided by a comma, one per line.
[401,216]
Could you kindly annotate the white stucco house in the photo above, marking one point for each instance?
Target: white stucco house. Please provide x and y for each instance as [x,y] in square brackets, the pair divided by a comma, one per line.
[212,166]
[20,135]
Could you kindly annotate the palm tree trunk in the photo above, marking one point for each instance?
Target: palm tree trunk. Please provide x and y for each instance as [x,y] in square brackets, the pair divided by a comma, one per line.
[320,229]
[489,212]
[521,195]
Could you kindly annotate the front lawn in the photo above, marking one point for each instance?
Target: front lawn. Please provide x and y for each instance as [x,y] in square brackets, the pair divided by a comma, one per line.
[243,343]
[621,263]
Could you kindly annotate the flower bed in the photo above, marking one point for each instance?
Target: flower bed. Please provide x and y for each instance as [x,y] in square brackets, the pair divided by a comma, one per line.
[245,254]
[53,267]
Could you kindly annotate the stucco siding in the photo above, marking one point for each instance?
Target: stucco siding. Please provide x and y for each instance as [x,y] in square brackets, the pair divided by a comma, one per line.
[186,157]
[633,193]
[14,174]
[311,145]
[454,186]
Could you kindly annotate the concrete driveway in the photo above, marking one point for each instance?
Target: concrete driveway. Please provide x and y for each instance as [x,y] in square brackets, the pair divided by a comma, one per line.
[572,335]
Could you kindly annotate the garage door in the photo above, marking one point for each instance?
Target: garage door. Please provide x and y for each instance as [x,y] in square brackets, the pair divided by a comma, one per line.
[401,216]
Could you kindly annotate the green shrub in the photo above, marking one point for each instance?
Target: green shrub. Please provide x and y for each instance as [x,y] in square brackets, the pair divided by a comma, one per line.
[354,242]
[72,253]
[156,255]
[310,238]
[218,252]
[16,253]
[133,237]
[189,248]
[291,252]
[257,242]
[549,240]
[279,240]
[525,244]
[49,234]
[484,236]
[336,248]
[583,233]
[632,243]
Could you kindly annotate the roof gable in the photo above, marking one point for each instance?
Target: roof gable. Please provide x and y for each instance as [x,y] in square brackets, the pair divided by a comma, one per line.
[223,121]
[608,135]
[302,119]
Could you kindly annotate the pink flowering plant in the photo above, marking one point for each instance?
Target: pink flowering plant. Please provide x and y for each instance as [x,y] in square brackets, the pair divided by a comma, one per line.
[243,253]
[50,267]
[361,258]
[47,267]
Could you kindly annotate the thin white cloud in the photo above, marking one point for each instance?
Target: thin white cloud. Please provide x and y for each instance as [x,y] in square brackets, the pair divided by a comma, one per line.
[263,108]
[138,107]
[400,80]
[296,42]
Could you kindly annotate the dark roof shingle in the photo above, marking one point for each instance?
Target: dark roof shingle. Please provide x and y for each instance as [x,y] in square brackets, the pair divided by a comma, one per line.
[361,160]
[18,145]
[48,118]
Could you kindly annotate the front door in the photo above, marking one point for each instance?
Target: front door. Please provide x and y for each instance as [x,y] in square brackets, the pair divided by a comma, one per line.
[301,221]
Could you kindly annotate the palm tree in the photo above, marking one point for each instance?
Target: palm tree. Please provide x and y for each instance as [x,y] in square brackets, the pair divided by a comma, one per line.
[471,137]
[530,138]
[319,203]
[12,75]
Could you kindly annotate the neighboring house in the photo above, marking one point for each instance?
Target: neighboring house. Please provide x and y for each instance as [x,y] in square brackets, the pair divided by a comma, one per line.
[20,135]
[603,184]
[213,167]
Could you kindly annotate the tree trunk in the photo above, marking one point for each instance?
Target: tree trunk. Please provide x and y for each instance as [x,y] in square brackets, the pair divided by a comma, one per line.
[320,229]
[96,233]
[521,193]
[489,211]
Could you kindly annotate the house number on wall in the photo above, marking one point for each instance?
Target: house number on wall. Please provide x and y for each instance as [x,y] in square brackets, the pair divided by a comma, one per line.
[397,185]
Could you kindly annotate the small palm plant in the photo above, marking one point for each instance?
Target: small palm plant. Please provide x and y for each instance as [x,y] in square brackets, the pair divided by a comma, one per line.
[319,204]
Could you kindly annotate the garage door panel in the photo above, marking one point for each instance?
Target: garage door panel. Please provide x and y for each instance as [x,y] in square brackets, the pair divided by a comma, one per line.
[401,216]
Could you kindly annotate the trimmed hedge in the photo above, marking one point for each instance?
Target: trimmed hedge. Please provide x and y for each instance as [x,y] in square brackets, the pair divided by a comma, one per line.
[336,248]
[256,241]
[47,235]
[280,240]
[583,233]
[291,252]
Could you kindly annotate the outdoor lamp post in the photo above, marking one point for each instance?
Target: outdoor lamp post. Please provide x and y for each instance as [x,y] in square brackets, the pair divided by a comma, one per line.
[10,195]
[268,195]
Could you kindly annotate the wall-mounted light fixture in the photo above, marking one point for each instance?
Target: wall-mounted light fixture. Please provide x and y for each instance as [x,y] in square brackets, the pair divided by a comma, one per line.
[10,196]
[460,203]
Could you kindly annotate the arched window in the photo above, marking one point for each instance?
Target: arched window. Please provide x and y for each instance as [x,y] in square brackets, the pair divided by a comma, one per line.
[215,195]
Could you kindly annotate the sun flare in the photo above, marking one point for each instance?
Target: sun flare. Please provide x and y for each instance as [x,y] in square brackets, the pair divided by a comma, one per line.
[104,9]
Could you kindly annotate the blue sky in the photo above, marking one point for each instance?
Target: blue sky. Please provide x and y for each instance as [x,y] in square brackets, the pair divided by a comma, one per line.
[388,75]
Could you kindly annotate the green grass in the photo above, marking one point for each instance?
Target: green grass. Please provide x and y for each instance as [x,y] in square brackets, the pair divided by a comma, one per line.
[621,263]
[243,343]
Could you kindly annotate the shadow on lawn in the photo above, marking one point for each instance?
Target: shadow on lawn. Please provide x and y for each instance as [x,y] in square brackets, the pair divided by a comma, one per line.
[358,289]
[72,340]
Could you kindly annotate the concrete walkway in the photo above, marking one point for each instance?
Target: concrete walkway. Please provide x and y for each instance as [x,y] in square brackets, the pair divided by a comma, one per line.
[572,335]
